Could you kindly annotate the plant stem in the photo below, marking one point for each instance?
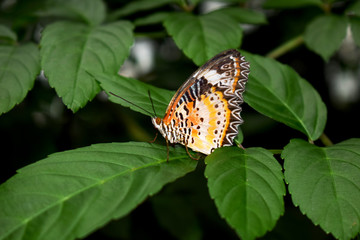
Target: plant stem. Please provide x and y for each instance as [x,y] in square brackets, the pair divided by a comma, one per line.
[325,140]
[286,47]
[238,144]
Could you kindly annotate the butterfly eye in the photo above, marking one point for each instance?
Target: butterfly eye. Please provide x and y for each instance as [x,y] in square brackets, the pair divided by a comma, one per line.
[158,120]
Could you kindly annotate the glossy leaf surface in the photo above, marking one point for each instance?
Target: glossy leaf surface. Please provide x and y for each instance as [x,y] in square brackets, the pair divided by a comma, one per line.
[72,193]
[19,66]
[325,184]
[248,189]
[202,37]
[278,92]
[68,49]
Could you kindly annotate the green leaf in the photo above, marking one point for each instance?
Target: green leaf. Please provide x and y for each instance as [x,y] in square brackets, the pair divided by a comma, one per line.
[91,12]
[325,184]
[355,29]
[7,33]
[136,92]
[325,34]
[19,66]
[239,138]
[137,6]
[72,193]
[155,18]
[278,92]
[202,37]
[242,15]
[248,189]
[291,4]
[68,49]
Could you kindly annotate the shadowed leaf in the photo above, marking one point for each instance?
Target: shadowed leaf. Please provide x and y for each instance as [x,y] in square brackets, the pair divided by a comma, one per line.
[323,28]
[291,4]
[19,66]
[91,12]
[7,34]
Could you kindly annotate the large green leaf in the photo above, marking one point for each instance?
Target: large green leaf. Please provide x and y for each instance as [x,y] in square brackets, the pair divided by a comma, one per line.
[277,91]
[72,193]
[92,12]
[68,49]
[19,66]
[325,34]
[136,92]
[202,37]
[248,189]
[325,184]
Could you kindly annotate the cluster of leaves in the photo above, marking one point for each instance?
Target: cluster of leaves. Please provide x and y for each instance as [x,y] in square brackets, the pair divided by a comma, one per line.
[72,193]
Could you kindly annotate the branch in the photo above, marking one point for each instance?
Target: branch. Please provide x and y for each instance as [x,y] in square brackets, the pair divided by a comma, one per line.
[286,47]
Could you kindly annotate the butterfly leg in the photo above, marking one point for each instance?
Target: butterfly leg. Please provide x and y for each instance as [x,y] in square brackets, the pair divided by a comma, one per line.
[194,158]
[152,141]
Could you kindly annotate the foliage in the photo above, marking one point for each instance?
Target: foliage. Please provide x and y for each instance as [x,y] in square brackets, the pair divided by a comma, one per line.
[83,44]
[322,182]
[94,184]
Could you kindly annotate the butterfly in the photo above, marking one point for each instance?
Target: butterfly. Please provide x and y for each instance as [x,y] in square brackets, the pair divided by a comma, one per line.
[204,114]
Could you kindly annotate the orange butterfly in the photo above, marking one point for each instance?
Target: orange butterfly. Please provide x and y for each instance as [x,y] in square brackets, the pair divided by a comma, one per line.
[204,114]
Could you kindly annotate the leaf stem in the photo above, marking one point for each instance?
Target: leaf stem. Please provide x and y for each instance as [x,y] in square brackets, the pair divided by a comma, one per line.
[286,47]
[238,144]
[326,140]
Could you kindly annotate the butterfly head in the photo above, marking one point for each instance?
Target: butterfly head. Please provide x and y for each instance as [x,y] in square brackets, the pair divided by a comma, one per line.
[156,121]
[159,124]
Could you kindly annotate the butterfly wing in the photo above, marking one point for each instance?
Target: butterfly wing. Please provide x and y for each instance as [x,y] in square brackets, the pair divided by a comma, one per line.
[205,111]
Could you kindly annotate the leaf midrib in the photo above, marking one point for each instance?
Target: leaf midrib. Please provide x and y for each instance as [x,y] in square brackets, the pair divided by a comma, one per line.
[333,186]
[284,103]
[75,82]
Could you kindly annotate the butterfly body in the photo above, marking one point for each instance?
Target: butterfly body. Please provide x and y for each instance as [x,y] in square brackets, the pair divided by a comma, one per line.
[204,113]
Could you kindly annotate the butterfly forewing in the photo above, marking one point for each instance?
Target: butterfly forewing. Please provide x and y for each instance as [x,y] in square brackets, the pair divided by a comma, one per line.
[204,114]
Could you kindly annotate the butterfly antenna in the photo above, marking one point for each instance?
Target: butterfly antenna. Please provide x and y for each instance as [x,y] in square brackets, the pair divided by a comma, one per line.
[133,103]
[152,104]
